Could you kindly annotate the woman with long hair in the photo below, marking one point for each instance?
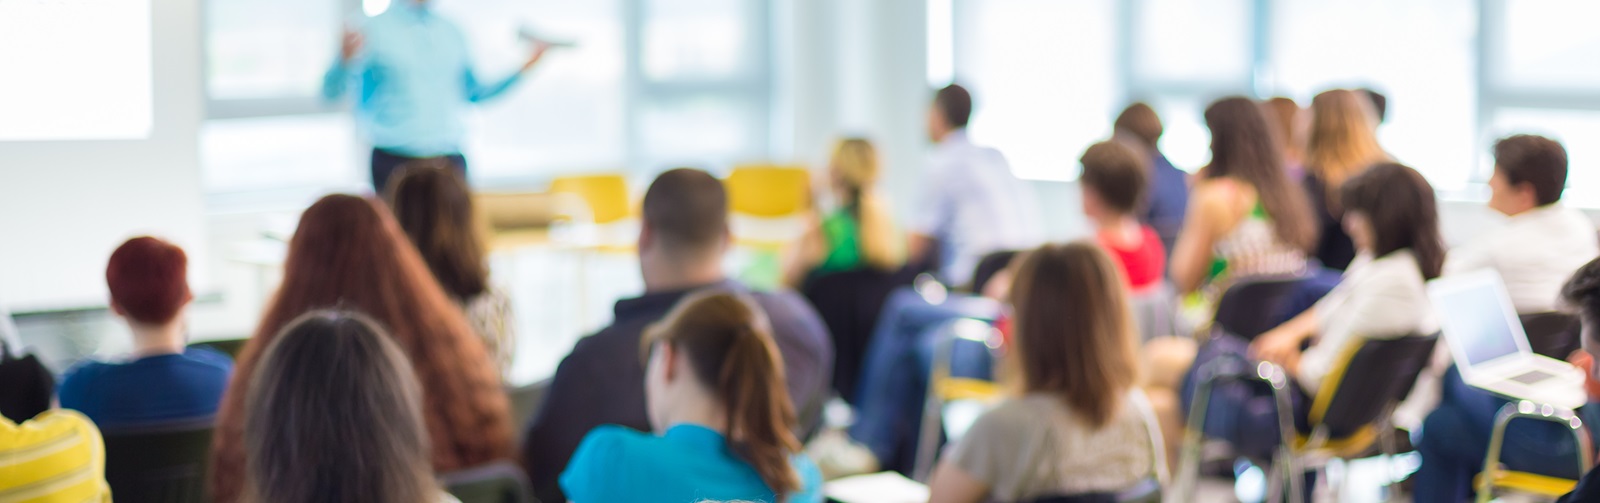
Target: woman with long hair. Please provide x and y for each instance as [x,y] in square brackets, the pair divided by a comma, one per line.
[348,253]
[1076,428]
[434,207]
[1342,142]
[715,389]
[336,415]
[858,232]
[1245,218]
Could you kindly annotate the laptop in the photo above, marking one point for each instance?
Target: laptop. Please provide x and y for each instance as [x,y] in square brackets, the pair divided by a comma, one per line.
[1490,348]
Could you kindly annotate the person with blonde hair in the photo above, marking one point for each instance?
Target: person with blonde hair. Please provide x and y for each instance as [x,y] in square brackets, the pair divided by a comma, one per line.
[1077,428]
[858,232]
[1342,143]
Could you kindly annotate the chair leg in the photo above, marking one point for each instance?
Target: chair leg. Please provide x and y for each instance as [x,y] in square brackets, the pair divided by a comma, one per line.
[1188,477]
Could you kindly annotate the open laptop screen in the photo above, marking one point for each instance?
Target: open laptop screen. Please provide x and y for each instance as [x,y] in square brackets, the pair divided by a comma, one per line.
[1474,315]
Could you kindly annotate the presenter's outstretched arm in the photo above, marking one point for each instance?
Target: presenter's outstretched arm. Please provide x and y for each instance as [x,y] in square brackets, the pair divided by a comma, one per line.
[476,92]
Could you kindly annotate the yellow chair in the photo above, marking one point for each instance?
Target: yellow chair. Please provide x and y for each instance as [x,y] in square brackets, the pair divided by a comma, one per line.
[606,195]
[515,219]
[1494,477]
[769,191]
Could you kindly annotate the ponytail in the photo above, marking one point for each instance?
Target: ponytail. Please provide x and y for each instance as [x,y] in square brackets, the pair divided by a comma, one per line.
[728,346]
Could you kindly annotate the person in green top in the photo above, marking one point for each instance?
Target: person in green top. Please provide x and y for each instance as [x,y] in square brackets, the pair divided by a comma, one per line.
[858,231]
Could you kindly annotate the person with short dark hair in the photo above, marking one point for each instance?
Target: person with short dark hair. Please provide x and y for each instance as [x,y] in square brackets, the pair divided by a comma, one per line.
[1168,194]
[972,204]
[1115,183]
[682,239]
[163,380]
[30,388]
[1542,241]
[1582,294]
[336,415]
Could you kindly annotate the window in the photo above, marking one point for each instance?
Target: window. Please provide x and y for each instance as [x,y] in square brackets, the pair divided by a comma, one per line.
[1044,87]
[1548,44]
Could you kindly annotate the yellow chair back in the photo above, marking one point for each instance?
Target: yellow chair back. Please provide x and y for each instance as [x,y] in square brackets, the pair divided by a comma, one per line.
[769,191]
[606,194]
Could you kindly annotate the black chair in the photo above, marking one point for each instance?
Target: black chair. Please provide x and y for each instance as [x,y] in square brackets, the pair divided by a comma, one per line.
[1349,414]
[1146,491]
[849,303]
[164,462]
[501,482]
[1552,334]
[1249,308]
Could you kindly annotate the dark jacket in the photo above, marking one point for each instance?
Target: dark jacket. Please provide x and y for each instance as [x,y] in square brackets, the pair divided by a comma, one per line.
[1334,247]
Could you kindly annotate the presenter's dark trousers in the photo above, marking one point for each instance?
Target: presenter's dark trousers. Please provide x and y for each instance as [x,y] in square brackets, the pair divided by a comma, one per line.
[385,164]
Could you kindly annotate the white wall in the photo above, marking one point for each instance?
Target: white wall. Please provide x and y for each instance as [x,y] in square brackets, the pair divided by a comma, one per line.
[64,206]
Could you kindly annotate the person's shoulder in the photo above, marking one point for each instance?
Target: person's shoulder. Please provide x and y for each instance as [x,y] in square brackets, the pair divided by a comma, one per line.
[606,445]
[81,375]
[54,425]
[1016,416]
[208,357]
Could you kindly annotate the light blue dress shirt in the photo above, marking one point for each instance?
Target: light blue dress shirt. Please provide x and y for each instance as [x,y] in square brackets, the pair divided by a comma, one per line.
[973,205]
[412,81]
[688,464]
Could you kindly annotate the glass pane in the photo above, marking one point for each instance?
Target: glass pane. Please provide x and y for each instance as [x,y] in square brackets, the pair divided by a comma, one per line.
[279,152]
[1551,44]
[1575,129]
[270,48]
[1194,41]
[703,131]
[1427,73]
[568,114]
[1185,140]
[1042,78]
[696,39]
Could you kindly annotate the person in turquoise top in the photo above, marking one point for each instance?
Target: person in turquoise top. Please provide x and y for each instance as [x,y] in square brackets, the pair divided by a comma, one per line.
[858,232]
[411,75]
[715,390]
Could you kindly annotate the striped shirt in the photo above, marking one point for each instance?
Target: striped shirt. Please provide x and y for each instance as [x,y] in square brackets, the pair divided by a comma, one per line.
[57,456]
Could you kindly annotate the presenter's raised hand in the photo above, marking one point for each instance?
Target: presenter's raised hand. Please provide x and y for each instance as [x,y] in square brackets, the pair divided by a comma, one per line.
[350,45]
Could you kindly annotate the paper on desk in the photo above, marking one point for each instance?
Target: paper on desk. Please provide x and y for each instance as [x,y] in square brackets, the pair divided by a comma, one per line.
[885,487]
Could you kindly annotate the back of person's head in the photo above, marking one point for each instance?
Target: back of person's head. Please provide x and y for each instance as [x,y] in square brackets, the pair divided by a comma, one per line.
[728,346]
[1242,148]
[149,280]
[335,415]
[1117,174]
[1343,140]
[433,205]
[1582,292]
[1140,123]
[686,213]
[1534,160]
[854,166]
[954,105]
[1283,117]
[1398,203]
[1073,328]
[1380,103]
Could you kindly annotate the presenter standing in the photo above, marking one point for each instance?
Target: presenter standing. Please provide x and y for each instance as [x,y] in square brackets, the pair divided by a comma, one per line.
[412,78]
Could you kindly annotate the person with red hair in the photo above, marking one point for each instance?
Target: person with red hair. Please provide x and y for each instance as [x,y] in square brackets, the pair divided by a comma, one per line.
[349,254]
[162,380]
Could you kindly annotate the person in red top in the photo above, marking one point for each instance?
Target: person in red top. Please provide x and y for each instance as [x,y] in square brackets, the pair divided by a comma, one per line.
[1115,182]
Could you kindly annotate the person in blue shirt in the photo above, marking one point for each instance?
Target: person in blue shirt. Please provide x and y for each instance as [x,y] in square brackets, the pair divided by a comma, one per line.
[411,73]
[1169,186]
[724,424]
[163,381]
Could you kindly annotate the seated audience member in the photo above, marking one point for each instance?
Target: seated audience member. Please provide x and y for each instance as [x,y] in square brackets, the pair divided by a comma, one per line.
[1284,118]
[57,456]
[1168,186]
[972,205]
[1380,105]
[1582,293]
[859,232]
[335,414]
[722,421]
[1245,220]
[1076,429]
[1391,216]
[349,254]
[433,205]
[1542,241]
[1455,437]
[1343,142]
[30,388]
[162,381]
[682,239]
[1114,186]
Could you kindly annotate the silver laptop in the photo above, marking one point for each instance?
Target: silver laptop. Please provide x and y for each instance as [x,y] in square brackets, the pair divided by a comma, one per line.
[1490,348]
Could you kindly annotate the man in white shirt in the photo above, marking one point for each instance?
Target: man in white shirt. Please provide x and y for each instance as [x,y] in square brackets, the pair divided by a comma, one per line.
[972,205]
[1542,242]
